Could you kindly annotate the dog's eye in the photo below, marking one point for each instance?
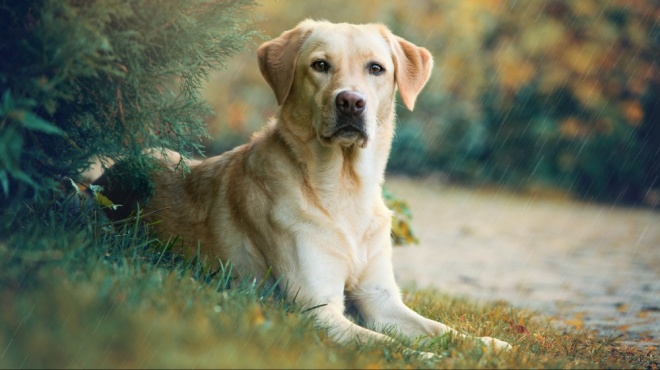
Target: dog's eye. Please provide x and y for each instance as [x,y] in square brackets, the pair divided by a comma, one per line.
[321,66]
[376,69]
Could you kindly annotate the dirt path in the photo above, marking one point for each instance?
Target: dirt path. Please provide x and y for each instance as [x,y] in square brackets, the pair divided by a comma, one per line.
[591,265]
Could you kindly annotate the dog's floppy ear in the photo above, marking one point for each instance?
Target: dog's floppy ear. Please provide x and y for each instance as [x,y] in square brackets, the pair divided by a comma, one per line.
[413,68]
[277,61]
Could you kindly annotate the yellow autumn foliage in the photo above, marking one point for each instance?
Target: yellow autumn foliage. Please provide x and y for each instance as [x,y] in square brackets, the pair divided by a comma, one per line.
[588,68]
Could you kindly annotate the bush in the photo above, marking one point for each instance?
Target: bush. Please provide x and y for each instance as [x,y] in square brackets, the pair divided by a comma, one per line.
[88,78]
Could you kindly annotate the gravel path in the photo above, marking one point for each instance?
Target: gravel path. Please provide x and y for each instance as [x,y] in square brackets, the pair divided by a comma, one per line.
[596,266]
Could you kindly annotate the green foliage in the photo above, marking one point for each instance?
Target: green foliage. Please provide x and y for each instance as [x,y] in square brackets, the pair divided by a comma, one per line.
[453,141]
[88,78]
[544,138]
[402,233]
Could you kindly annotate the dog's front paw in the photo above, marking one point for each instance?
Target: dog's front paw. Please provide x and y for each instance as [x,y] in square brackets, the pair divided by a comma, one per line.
[496,343]
[422,355]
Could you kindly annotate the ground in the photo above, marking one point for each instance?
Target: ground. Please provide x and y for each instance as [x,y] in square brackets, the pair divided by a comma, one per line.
[97,297]
[589,265]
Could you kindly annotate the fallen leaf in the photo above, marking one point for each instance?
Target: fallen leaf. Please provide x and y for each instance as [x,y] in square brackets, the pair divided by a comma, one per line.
[101,199]
[576,323]
[105,202]
[518,328]
[623,327]
[521,329]
[257,316]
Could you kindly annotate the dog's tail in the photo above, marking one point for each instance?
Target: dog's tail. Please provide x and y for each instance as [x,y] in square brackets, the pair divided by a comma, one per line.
[121,188]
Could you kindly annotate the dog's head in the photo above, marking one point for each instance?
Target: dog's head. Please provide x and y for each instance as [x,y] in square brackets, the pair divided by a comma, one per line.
[342,78]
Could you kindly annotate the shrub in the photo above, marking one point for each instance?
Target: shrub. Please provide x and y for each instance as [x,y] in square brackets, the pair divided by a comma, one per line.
[88,78]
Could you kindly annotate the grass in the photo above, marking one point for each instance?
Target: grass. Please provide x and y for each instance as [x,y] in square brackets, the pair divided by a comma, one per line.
[77,295]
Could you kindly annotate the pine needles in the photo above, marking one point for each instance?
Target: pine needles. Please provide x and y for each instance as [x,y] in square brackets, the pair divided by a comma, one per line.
[87,78]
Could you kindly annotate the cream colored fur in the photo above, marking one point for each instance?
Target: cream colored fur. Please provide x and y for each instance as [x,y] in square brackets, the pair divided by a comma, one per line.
[299,198]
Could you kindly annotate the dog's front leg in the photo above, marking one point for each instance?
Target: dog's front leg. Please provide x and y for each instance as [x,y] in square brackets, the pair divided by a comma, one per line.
[379,300]
[318,283]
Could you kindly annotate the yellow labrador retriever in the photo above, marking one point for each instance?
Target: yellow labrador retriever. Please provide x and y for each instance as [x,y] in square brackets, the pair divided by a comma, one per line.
[303,197]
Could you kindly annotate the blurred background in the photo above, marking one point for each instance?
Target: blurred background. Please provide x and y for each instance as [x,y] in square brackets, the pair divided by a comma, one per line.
[534,94]
[528,173]
[530,163]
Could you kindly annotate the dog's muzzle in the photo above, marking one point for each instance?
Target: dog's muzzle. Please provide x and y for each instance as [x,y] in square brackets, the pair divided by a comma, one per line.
[350,124]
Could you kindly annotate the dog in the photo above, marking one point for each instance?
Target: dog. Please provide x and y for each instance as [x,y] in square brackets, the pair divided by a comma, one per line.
[302,199]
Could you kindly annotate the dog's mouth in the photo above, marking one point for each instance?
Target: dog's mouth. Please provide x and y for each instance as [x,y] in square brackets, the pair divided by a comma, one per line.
[346,134]
[349,131]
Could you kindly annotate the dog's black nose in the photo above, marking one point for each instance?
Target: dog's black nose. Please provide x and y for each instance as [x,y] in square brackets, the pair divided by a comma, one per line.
[351,103]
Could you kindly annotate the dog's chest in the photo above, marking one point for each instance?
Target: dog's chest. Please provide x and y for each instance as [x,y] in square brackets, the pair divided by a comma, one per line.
[355,218]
